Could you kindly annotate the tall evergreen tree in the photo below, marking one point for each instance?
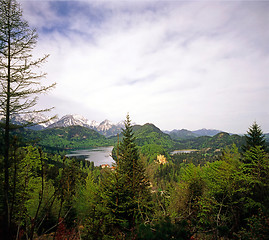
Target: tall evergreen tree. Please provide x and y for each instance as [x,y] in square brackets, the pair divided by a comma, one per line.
[19,81]
[254,137]
[126,190]
[133,170]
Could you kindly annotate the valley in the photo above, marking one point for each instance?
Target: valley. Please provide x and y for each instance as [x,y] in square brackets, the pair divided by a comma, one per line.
[82,166]
[72,136]
[77,132]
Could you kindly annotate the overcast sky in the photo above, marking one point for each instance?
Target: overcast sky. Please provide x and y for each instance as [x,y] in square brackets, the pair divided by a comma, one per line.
[177,64]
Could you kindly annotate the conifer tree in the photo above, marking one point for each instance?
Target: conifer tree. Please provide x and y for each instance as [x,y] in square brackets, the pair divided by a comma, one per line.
[254,137]
[19,79]
[131,169]
[125,191]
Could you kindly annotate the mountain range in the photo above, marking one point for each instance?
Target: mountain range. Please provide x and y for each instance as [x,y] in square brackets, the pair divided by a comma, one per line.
[76,132]
[106,127]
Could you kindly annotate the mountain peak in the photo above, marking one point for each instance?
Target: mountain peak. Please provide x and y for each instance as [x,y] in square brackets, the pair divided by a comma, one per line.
[206,132]
[70,120]
[105,125]
[34,117]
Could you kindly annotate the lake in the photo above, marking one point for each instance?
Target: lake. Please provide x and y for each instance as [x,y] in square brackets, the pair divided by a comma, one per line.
[98,155]
[183,151]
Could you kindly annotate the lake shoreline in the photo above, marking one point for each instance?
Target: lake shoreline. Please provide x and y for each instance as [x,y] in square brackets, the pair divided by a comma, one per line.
[98,155]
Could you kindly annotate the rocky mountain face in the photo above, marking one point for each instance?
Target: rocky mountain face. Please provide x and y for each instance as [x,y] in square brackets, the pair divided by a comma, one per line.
[37,118]
[70,120]
[106,128]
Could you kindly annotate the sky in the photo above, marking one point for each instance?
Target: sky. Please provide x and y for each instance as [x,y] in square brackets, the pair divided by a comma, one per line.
[176,64]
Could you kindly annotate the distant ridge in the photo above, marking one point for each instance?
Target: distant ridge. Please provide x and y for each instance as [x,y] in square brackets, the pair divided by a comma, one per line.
[182,134]
[106,127]
[206,132]
[187,134]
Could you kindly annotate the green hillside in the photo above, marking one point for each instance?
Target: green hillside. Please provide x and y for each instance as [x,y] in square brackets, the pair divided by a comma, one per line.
[150,134]
[77,137]
[73,137]
[219,141]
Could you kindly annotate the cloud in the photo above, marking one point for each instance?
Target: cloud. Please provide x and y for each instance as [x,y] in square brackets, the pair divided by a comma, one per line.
[177,64]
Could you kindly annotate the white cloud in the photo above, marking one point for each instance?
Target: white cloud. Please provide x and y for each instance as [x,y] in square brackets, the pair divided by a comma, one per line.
[178,65]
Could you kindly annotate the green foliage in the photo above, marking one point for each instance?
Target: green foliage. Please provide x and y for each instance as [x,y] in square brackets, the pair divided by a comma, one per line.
[150,134]
[25,179]
[256,171]
[19,84]
[74,137]
[164,229]
[257,228]
[219,141]
[125,191]
[42,189]
[254,137]
[221,197]
[211,195]
[151,151]
[90,207]
[201,157]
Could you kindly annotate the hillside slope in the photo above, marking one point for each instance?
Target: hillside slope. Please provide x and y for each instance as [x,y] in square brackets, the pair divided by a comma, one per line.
[72,137]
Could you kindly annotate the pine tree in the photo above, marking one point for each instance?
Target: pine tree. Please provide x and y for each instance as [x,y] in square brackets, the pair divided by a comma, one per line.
[132,171]
[125,191]
[19,81]
[254,138]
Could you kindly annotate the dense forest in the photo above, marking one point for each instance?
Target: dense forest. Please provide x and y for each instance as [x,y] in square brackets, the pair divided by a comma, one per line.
[147,194]
[219,190]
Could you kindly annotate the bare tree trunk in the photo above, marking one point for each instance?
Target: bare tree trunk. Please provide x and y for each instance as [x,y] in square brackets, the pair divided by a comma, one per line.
[12,197]
[7,219]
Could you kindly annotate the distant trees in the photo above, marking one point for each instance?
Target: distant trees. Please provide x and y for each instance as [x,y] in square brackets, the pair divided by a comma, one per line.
[19,81]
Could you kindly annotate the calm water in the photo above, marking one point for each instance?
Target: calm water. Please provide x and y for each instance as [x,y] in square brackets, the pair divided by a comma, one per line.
[182,151]
[98,155]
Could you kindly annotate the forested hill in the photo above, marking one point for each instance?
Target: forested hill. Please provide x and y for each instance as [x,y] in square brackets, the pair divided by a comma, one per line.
[73,137]
[150,134]
[78,137]
[219,141]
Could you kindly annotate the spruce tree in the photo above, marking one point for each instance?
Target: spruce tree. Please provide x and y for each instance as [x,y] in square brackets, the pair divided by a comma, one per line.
[19,79]
[254,138]
[132,171]
[125,191]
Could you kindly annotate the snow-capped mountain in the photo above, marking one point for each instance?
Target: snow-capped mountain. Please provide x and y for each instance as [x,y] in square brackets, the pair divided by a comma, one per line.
[106,127]
[71,120]
[94,124]
[40,119]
